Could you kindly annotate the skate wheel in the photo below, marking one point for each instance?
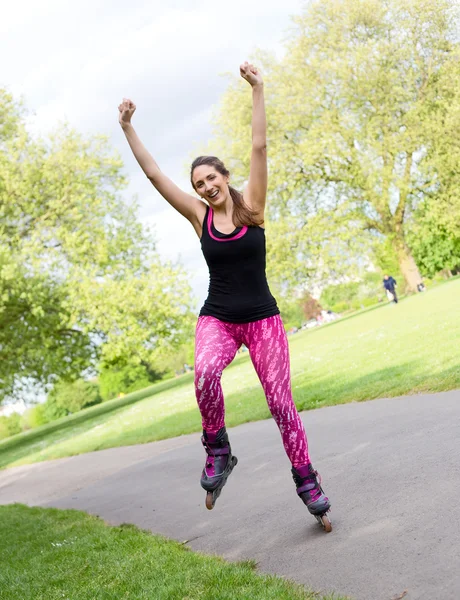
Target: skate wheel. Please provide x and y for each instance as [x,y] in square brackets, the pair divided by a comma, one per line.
[209,500]
[325,523]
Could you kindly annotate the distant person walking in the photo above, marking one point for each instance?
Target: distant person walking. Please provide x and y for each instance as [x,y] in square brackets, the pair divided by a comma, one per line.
[390,286]
[240,308]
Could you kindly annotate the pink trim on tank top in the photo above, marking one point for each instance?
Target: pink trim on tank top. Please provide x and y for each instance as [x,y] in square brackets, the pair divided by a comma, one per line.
[236,237]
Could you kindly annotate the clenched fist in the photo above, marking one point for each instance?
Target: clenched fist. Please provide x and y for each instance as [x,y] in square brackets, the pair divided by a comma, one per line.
[251,74]
[126,110]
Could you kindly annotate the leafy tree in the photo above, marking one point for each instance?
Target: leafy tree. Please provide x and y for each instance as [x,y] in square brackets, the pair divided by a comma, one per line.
[37,336]
[10,115]
[435,238]
[364,116]
[313,247]
[310,306]
[434,231]
[80,279]
[386,258]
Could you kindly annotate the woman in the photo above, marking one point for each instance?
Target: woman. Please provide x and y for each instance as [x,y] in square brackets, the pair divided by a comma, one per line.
[240,308]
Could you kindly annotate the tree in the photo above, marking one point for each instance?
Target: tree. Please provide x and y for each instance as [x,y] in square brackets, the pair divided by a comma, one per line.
[385,257]
[434,237]
[38,336]
[80,278]
[358,111]
[307,242]
[310,306]
[434,230]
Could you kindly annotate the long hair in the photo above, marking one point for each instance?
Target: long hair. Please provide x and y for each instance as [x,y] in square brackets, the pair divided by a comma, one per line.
[242,214]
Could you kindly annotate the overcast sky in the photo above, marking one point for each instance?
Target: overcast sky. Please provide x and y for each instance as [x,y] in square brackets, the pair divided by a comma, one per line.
[75,61]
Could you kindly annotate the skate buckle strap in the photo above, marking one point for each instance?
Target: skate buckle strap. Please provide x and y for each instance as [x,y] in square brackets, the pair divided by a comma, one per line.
[306,487]
[215,451]
[310,483]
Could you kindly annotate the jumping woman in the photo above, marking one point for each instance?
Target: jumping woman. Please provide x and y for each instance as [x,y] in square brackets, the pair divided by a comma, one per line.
[239,308]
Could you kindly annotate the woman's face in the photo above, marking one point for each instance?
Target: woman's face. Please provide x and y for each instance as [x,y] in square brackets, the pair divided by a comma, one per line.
[210,184]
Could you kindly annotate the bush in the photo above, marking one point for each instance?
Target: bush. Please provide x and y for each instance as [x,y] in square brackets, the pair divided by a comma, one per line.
[370,301]
[52,411]
[356,304]
[340,307]
[291,312]
[173,363]
[34,417]
[124,379]
[355,294]
[10,425]
[4,430]
[70,397]
[339,294]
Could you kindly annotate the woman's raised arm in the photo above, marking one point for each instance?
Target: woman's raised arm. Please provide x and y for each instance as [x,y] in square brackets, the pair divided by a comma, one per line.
[188,206]
[255,193]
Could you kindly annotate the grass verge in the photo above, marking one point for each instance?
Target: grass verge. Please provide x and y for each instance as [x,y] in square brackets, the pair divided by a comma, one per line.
[50,554]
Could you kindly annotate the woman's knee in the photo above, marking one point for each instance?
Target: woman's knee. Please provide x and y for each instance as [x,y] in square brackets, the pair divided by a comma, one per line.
[206,375]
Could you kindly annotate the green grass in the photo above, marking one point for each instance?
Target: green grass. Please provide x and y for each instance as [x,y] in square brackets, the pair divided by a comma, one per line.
[386,351]
[48,554]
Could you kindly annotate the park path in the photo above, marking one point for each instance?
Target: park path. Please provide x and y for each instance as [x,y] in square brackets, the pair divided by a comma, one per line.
[391,468]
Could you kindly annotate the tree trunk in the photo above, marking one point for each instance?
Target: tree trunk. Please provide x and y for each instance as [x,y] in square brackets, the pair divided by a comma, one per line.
[407,265]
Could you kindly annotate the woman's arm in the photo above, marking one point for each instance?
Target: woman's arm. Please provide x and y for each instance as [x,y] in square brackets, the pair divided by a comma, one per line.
[256,192]
[188,206]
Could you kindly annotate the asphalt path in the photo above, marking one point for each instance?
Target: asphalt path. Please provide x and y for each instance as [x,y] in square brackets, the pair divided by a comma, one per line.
[391,468]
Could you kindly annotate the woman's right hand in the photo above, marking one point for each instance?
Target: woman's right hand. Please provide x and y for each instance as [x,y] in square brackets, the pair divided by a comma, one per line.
[126,111]
[252,75]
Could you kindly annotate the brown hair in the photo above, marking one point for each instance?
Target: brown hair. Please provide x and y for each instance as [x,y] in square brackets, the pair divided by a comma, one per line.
[242,214]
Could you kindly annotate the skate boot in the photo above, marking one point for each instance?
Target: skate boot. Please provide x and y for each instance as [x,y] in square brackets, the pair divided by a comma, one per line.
[219,464]
[311,493]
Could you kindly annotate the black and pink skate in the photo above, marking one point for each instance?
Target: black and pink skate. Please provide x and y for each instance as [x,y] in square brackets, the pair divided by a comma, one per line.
[311,493]
[219,464]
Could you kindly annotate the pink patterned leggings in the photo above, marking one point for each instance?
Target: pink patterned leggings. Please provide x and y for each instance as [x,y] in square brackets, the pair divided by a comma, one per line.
[216,344]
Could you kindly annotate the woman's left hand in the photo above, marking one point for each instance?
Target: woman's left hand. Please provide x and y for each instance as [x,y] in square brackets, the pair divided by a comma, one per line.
[251,74]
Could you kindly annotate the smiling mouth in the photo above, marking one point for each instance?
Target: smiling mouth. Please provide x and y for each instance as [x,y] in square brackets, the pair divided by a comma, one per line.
[213,195]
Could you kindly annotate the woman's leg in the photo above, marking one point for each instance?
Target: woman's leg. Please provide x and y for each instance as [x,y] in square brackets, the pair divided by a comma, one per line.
[215,348]
[268,347]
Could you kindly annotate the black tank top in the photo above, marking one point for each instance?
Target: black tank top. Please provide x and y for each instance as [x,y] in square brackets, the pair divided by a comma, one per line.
[238,289]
